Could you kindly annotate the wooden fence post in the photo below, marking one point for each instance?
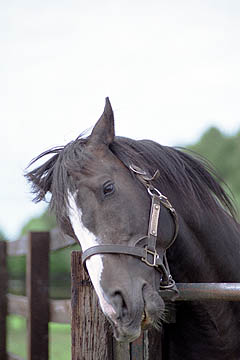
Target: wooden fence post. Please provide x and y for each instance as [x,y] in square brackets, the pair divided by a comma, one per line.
[91,335]
[3,300]
[37,293]
[139,348]
[156,344]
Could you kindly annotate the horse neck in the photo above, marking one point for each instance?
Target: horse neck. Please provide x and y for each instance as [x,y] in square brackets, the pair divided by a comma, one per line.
[206,249]
[205,252]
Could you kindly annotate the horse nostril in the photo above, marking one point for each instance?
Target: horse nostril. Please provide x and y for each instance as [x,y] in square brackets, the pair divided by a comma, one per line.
[120,305]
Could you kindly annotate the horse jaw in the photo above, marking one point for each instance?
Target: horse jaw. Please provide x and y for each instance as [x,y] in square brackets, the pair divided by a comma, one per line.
[94,264]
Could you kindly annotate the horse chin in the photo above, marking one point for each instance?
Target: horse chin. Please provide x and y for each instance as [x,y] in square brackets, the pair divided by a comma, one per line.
[129,334]
[125,334]
[127,331]
[152,316]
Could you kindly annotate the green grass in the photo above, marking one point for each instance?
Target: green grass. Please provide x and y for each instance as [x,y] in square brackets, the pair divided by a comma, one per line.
[59,339]
[16,335]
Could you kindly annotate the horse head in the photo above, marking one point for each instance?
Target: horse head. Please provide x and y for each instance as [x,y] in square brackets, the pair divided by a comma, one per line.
[113,209]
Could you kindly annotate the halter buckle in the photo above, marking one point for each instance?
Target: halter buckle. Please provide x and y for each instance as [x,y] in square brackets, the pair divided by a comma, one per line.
[154,254]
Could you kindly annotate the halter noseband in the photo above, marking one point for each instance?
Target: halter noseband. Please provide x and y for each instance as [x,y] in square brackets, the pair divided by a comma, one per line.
[148,254]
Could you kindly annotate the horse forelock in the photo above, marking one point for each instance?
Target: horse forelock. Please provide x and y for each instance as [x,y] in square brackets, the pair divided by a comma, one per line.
[53,175]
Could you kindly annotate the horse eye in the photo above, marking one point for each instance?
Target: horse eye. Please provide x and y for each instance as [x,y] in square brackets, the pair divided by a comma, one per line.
[108,188]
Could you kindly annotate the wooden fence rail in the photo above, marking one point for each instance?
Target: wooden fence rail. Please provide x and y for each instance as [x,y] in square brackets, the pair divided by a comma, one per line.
[3,299]
[91,334]
[36,306]
[92,337]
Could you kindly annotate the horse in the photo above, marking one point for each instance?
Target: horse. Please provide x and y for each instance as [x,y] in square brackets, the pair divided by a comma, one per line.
[147,216]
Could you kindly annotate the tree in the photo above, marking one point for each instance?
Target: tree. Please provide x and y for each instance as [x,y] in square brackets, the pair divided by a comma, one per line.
[223,152]
[44,222]
[2,236]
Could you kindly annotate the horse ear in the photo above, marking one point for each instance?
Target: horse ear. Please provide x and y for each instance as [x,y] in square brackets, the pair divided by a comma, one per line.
[103,131]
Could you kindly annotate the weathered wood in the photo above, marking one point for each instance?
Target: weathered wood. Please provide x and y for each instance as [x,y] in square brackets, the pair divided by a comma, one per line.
[59,310]
[91,338]
[91,334]
[3,300]
[139,348]
[146,346]
[17,305]
[37,292]
[155,345]
[121,350]
[18,247]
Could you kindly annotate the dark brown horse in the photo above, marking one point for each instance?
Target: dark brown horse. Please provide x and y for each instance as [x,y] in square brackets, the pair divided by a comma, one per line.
[146,215]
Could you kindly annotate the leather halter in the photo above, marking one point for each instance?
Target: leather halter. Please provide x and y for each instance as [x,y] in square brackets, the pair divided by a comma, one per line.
[148,254]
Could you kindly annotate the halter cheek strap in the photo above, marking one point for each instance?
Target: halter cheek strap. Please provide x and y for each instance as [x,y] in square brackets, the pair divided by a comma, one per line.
[148,254]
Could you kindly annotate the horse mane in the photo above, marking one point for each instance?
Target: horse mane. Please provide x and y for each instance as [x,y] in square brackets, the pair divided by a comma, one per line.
[196,183]
[193,178]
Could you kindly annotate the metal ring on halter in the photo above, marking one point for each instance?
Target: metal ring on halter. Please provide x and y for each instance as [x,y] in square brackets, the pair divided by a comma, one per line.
[153,191]
[171,284]
[137,170]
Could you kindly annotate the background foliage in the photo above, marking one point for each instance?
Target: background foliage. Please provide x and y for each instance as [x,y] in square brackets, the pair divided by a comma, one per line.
[223,152]
[60,262]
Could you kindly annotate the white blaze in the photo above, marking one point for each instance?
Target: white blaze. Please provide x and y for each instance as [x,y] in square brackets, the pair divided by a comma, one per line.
[94,263]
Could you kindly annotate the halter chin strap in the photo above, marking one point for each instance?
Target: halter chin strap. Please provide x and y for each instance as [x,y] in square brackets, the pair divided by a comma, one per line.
[148,254]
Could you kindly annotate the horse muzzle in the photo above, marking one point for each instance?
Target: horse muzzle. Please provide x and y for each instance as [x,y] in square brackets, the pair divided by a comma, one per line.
[125,333]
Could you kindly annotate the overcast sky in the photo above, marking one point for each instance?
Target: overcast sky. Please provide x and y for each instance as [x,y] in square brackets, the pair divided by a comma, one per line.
[171,70]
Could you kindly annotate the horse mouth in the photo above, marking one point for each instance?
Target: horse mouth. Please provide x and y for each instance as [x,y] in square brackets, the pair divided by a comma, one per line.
[146,320]
[126,334]
[150,315]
